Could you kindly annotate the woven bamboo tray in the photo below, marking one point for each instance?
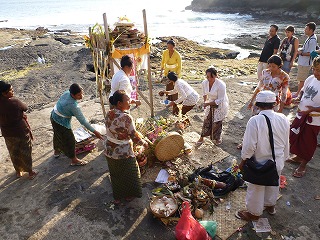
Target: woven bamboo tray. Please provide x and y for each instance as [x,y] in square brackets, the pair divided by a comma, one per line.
[154,201]
[169,147]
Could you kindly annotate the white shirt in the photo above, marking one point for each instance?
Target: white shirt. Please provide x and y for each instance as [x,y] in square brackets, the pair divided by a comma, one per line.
[311,97]
[256,138]
[218,94]
[183,89]
[120,81]
[308,46]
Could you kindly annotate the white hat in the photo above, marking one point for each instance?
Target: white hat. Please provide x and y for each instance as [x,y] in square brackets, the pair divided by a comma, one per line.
[266,97]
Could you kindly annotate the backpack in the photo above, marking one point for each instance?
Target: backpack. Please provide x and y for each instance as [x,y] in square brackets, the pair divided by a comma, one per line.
[317,47]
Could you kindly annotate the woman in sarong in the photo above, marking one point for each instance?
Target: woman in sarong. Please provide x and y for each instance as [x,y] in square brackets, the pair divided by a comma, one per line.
[216,104]
[171,62]
[188,97]
[63,138]
[16,130]
[121,133]
[276,80]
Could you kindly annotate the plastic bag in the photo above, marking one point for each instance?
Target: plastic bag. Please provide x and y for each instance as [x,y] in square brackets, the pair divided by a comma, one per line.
[210,226]
[189,228]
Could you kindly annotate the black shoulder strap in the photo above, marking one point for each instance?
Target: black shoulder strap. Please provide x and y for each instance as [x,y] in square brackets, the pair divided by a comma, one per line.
[270,136]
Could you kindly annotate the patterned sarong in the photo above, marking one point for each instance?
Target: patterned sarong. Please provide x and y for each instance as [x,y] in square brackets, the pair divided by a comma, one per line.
[125,178]
[211,128]
[20,149]
[63,140]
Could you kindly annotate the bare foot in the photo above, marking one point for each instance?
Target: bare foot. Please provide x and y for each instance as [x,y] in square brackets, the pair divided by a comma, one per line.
[129,199]
[32,175]
[300,171]
[78,163]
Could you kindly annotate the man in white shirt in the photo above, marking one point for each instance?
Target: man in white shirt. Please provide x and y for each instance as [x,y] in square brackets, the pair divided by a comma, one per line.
[304,59]
[306,126]
[256,143]
[121,81]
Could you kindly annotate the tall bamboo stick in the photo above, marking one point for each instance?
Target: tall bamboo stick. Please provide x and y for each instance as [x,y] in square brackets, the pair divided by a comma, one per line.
[106,30]
[149,68]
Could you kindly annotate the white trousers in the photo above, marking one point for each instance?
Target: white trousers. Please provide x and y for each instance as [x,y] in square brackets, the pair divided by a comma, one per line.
[259,197]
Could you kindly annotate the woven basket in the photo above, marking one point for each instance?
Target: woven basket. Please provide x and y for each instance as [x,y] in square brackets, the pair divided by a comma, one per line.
[169,147]
[153,201]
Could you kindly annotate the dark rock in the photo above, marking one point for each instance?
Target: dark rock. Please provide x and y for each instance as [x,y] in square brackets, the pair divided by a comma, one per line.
[64,31]
[253,55]
[41,44]
[232,54]
[90,67]
[305,9]
[63,40]
[42,29]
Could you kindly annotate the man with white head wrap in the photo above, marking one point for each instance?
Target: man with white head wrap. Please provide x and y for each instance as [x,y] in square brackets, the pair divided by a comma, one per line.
[256,143]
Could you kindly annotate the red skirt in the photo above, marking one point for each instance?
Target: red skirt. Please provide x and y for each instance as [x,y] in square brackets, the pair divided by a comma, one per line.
[303,138]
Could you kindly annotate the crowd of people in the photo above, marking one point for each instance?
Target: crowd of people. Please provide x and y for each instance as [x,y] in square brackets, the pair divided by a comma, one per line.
[269,98]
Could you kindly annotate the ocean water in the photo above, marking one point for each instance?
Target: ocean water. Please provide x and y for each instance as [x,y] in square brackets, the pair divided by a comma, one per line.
[164,18]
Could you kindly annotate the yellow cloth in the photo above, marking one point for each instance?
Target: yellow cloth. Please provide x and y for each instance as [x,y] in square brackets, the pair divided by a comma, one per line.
[118,53]
[175,59]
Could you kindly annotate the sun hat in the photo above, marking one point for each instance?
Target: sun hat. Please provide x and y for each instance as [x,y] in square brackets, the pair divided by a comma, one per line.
[266,97]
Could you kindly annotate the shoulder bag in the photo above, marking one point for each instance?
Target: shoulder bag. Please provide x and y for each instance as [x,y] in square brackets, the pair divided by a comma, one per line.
[262,174]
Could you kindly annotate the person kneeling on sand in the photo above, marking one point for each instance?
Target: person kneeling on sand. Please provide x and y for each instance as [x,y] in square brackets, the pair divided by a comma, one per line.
[256,143]
[188,97]
[63,138]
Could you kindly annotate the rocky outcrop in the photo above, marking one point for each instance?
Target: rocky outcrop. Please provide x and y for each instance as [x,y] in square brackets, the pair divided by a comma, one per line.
[309,9]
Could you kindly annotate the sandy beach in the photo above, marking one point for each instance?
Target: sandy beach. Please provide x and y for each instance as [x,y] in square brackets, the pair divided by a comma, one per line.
[65,202]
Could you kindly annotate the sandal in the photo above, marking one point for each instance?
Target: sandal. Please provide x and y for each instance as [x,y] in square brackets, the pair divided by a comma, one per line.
[293,160]
[245,215]
[198,144]
[56,154]
[116,202]
[299,174]
[271,210]
[239,146]
[18,174]
[80,163]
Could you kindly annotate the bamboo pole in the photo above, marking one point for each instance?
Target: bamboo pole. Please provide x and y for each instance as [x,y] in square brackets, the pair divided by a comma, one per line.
[149,69]
[106,30]
[101,78]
